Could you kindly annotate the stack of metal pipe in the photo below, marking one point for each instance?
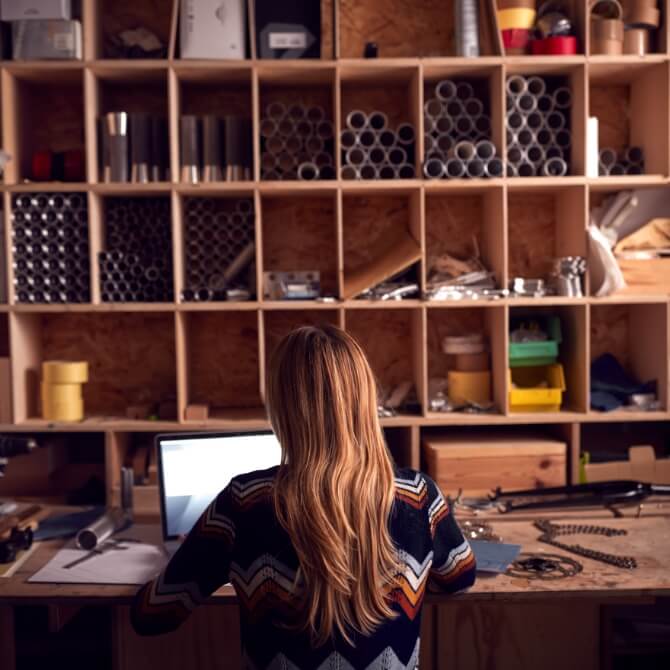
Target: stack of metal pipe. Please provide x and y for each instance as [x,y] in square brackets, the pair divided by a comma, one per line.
[457,134]
[296,142]
[218,249]
[50,247]
[538,127]
[628,161]
[373,150]
[137,263]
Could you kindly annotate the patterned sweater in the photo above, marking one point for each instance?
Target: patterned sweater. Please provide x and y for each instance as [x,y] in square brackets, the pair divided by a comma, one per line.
[239,539]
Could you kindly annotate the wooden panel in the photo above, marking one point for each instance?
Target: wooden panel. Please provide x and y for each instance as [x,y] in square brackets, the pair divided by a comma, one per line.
[147,94]
[131,356]
[26,349]
[208,640]
[385,336]
[223,359]
[291,92]
[369,95]
[497,635]
[611,105]
[278,324]
[300,234]
[216,97]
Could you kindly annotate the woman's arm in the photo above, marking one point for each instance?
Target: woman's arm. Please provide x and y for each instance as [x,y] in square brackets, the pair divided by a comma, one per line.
[199,568]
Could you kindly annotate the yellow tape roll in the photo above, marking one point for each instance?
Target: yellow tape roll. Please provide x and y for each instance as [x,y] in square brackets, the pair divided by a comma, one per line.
[62,402]
[520,17]
[468,387]
[65,372]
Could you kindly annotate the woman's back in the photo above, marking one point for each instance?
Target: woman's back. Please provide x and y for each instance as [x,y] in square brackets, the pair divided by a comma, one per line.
[239,539]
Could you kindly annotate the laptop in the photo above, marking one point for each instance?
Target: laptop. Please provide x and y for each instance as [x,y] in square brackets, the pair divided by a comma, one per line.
[194,468]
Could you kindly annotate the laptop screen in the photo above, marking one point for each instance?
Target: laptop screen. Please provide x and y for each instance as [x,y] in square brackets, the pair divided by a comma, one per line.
[193,469]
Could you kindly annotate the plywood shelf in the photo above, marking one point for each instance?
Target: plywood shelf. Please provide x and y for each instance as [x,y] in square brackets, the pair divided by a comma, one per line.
[218,352]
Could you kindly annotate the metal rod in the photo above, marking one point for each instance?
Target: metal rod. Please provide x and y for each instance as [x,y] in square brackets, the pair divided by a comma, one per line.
[433,108]
[397,156]
[474,107]
[555,167]
[378,121]
[515,120]
[349,172]
[348,138]
[356,120]
[525,137]
[316,114]
[536,85]
[494,167]
[475,168]
[433,168]
[464,151]
[535,154]
[308,172]
[516,85]
[367,138]
[545,103]
[464,90]
[562,97]
[454,168]
[405,133]
[368,171]
[405,171]
[555,120]
[526,169]
[444,125]
[445,90]
[377,155]
[485,150]
[526,103]
[355,156]
[534,120]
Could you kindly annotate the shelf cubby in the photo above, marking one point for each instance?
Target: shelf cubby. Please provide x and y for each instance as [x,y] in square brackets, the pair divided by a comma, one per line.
[637,335]
[32,126]
[300,234]
[619,96]
[572,350]
[393,342]
[544,223]
[131,359]
[459,222]
[381,237]
[459,321]
[220,363]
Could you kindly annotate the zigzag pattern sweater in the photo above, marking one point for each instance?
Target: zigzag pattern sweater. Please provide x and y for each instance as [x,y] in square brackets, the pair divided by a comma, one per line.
[239,539]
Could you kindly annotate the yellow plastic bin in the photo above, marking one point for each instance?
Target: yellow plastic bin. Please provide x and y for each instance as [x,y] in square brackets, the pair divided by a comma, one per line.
[528,397]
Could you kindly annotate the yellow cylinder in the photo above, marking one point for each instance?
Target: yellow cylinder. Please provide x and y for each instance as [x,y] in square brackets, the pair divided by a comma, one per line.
[65,372]
[517,17]
[469,387]
[62,402]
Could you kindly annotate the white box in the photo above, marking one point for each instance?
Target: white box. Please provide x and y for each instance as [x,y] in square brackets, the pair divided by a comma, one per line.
[213,29]
[17,10]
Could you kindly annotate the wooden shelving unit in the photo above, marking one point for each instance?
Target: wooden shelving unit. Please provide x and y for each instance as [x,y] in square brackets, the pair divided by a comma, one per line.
[217,352]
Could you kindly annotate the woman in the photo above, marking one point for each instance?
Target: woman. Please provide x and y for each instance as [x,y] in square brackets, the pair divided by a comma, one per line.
[331,552]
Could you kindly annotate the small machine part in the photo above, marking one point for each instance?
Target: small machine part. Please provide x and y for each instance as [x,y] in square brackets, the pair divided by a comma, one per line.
[524,287]
[16,445]
[371,50]
[551,531]
[478,530]
[238,294]
[292,285]
[544,567]
[101,530]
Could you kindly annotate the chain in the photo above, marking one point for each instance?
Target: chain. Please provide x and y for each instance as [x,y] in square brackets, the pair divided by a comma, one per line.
[550,531]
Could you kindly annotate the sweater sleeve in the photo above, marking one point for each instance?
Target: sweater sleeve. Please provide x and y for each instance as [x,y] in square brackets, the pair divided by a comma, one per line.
[198,568]
[454,564]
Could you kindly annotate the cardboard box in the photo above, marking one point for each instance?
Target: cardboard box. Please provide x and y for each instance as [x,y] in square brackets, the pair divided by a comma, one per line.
[642,465]
[17,10]
[479,462]
[213,29]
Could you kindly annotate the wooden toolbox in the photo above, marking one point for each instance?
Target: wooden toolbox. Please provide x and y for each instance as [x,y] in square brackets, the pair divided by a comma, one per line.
[478,462]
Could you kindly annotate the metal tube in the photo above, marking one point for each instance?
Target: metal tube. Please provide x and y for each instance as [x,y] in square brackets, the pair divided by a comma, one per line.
[607,157]
[515,120]
[473,107]
[297,111]
[526,103]
[475,168]
[386,138]
[268,161]
[433,168]
[286,127]
[349,172]
[552,151]
[386,172]
[316,114]
[368,171]
[433,108]
[544,136]
[464,151]
[555,120]
[348,138]
[444,125]
[555,167]
[325,130]
[464,125]
[378,121]
[445,90]
[545,103]
[275,110]
[494,167]
[483,124]
[454,108]
[293,144]
[512,170]
[534,120]
[485,149]
[397,156]
[429,125]
[616,170]
[563,139]
[286,161]
[275,144]
[367,138]
[536,85]
[634,168]
[526,169]
[322,159]
[635,155]
[327,172]
[314,145]
[466,28]
[405,133]
[535,154]
[303,128]
[190,149]
[377,155]
[516,85]
[308,172]
[355,156]
[454,168]
[562,97]
[464,90]
[525,137]
[356,120]
[405,171]
[444,143]
[429,144]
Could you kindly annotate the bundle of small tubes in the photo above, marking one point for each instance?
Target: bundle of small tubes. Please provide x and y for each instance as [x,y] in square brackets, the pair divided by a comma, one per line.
[137,263]
[538,127]
[373,150]
[50,247]
[628,161]
[457,134]
[218,247]
[296,142]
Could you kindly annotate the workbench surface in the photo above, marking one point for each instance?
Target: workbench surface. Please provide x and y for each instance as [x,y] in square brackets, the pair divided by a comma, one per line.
[648,540]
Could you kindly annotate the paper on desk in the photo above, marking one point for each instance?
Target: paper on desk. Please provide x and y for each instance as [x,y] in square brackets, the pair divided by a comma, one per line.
[135,564]
[494,556]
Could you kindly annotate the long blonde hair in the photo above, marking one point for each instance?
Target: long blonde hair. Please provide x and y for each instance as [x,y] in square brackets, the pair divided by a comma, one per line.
[334,491]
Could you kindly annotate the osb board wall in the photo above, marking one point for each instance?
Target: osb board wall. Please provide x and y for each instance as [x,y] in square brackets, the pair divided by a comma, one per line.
[394,100]
[223,359]
[148,97]
[609,332]
[531,233]
[116,16]
[220,98]
[279,324]
[449,322]
[300,234]
[131,357]
[57,126]
[386,338]
[366,221]
[611,105]
[400,28]
[451,224]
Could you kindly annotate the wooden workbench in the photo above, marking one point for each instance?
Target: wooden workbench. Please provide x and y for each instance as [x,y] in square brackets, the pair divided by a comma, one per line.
[519,623]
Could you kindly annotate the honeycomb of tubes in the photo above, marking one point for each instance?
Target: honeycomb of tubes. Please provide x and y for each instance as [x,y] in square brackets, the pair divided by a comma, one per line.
[629,160]
[218,248]
[296,143]
[137,263]
[50,247]
[537,122]
[457,134]
[373,150]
